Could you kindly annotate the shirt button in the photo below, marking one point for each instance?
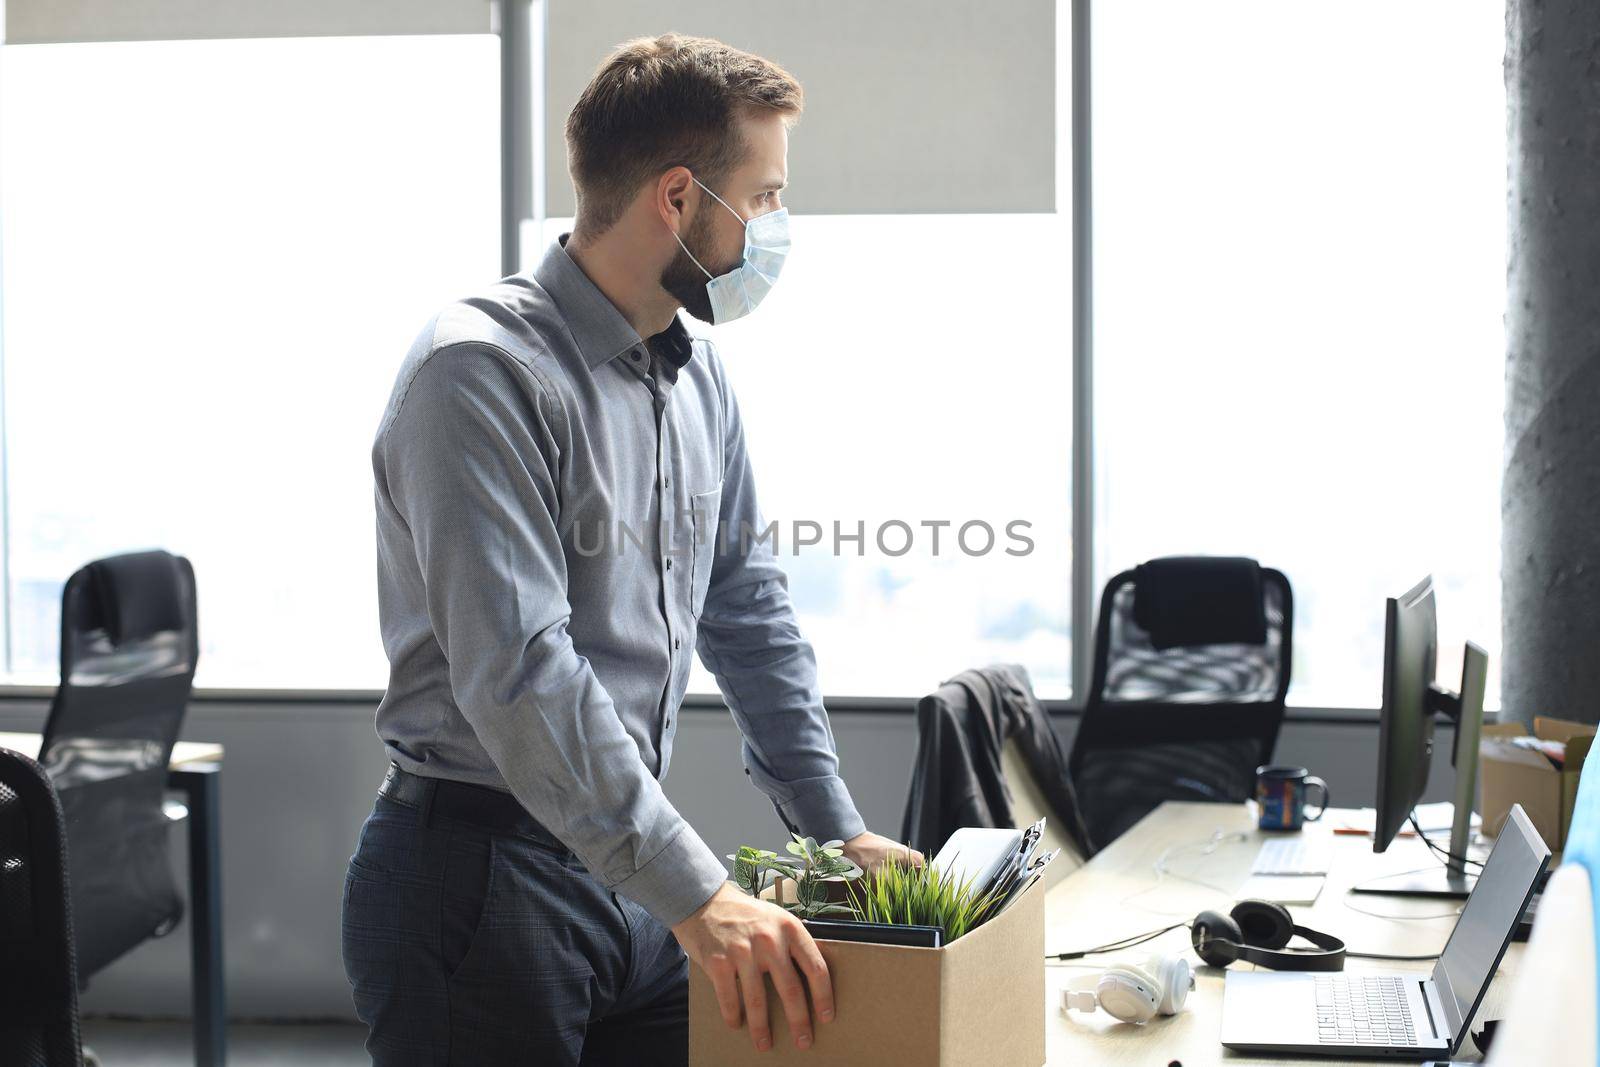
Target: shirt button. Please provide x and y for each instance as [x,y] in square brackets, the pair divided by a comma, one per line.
[677,642]
[669,563]
[666,483]
[636,355]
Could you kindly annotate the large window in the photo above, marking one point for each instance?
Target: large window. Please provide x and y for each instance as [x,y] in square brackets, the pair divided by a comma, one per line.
[215,256]
[1299,279]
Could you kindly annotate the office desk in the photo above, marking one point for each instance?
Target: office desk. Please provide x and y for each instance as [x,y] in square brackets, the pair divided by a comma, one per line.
[193,771]
[1118,894]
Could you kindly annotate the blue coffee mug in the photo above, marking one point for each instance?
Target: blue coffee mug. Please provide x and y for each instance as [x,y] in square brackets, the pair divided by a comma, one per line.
[1281,796]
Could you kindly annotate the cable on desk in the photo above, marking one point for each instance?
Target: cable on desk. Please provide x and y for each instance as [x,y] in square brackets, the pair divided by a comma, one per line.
[1386,956]
[1131,941]
[1206,847]
[1439,849]
[1134,940]
[1345,900]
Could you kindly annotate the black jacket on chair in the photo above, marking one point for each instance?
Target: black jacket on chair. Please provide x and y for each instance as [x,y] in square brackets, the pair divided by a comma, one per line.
[957,780]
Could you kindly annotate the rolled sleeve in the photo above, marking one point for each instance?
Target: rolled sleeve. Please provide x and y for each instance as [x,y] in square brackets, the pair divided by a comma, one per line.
[824,808]
[472,458]
[750,641]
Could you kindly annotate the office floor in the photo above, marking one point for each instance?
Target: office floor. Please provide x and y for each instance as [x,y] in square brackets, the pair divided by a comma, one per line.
[122,1043]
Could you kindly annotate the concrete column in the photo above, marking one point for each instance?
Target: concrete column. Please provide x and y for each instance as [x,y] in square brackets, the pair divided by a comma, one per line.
[1550,533]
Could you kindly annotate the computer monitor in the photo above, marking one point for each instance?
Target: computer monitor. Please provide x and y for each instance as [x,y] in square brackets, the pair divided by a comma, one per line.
[1411,699]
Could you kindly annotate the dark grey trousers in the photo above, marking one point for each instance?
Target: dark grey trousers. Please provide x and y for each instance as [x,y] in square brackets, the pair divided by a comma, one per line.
[469,947]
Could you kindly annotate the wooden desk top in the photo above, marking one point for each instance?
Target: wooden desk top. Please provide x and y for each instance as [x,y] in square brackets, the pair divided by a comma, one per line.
[1118,894]
[184,752]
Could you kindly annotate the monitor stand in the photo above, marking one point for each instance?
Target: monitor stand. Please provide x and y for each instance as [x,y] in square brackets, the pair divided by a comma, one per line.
[1451,878]
[1442,881]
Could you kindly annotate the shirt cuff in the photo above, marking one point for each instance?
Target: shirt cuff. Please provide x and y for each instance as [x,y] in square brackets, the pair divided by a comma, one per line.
[677,880]
[822,809]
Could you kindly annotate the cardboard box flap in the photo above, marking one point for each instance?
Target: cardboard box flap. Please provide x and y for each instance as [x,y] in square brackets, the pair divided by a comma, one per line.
[1510,775]
[1578,749]
[1560,729]
[1502,750]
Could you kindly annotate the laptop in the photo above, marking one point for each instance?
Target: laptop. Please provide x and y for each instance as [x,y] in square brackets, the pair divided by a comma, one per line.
[1376,1013]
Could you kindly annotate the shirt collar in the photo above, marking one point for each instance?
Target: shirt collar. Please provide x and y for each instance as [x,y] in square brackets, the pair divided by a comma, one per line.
[674,344]
[599,328]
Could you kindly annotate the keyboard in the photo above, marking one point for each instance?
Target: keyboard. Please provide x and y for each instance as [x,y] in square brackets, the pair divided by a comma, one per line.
[1282,888]
[1293,855]
[1363,1010]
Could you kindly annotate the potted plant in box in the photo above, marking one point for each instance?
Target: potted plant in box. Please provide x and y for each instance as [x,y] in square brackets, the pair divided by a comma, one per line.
[897,894]
[813,867]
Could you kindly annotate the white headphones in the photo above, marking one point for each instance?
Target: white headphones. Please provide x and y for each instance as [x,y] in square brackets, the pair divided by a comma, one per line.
[1133,992]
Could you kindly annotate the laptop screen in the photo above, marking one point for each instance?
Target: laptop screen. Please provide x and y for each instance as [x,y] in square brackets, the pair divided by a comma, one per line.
[1491,913]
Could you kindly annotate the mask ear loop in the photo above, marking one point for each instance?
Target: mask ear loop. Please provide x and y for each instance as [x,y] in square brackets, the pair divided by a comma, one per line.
[690,254]
[724,203]
[743,221]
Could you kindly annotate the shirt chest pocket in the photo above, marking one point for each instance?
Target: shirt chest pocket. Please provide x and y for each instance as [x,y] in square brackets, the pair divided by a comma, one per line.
[704,509]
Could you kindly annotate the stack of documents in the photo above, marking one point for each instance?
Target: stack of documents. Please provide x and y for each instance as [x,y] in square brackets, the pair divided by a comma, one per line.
[994,861]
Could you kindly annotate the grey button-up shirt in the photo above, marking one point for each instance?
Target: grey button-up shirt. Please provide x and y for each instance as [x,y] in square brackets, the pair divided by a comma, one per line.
[561,516]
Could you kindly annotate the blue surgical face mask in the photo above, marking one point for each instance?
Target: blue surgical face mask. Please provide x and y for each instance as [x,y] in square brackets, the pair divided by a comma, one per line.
[766,242]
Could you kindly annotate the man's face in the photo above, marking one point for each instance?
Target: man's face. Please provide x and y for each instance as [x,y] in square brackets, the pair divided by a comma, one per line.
[714,235]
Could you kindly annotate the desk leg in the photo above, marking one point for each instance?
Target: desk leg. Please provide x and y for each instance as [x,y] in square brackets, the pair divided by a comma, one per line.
[198,782]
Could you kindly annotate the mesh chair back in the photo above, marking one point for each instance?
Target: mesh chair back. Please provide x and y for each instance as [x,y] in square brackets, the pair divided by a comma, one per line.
[1186,723]
[129,645]
[38,980]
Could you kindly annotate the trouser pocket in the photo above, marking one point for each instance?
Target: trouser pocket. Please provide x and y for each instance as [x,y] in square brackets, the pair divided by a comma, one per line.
[467,887]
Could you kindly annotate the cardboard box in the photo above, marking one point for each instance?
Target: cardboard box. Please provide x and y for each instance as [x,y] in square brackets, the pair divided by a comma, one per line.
[979,999]
[1510,775]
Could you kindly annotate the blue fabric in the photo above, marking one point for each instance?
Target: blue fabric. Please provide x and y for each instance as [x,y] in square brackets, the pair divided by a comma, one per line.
[1583,847]
[465,947]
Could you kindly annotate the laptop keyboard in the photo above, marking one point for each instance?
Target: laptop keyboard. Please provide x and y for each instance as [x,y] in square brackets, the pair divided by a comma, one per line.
[1357,1009]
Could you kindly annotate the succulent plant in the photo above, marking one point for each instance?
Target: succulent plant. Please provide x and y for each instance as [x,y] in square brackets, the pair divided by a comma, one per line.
[812,866]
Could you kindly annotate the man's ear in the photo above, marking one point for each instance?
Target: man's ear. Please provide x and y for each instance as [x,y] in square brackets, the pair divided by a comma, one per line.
[672,197]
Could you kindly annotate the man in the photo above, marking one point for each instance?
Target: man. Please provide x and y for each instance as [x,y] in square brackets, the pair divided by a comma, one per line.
[562,516]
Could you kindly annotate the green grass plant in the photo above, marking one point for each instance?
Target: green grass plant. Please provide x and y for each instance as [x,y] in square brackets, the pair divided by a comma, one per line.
[920,895]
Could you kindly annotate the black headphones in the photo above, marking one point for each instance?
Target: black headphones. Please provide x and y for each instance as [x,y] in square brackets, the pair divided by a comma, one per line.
[1256,931]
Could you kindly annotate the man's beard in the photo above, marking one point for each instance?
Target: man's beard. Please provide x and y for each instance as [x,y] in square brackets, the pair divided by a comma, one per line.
[687,282]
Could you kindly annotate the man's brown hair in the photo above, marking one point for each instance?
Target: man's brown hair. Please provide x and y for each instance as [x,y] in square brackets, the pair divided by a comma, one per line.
[661,102]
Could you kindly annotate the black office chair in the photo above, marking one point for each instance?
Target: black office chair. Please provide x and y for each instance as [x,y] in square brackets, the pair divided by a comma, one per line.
[1191,670]
[129,644]
[38,975]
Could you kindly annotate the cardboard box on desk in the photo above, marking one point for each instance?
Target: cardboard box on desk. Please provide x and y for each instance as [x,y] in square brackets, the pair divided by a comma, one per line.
[979,999]
[1510,775]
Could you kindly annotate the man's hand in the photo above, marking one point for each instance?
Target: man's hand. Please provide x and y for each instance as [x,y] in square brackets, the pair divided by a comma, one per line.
[735,936]
[870,851]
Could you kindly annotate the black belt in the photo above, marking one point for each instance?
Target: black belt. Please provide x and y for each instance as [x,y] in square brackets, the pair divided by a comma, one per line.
[489,809]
